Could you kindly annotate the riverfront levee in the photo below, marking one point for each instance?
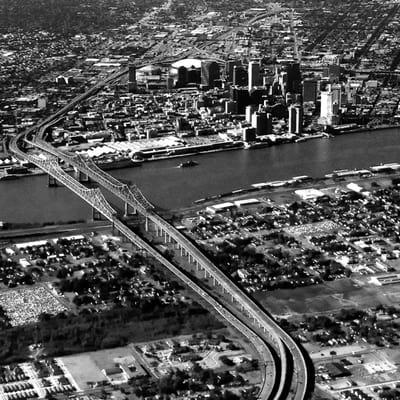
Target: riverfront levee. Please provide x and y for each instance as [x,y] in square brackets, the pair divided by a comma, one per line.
[29,199]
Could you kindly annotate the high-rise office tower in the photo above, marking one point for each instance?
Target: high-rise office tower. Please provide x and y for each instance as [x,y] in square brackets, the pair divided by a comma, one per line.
[336,90]
[290,98]
[295,119]
[249,134]
[182,77]
[254,74]
[329,108]
[293,79]
[241,96]
[132,83]
[258,95]
[231,107]
[326,104]
[262,123]
[250,110]
[281,84]
[229,68]
[169,82]
[310,90]
[239,76]
[332,72]
[194,75]
[209,73]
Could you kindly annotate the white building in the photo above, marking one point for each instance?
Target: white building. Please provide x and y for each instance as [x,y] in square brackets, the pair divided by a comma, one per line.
[329,107]
[254,74]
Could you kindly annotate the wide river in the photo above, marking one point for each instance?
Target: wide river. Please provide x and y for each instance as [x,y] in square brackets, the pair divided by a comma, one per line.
[30,200]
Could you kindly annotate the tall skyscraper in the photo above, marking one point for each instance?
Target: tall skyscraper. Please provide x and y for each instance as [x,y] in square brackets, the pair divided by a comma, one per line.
[332,72]
[262,123]
[239,76]
[169,82]
[290,98]
[254,74]
[241,96]
[329,108]
[182,77]
[279,84]
[336,90]
[249,134]
[132,83]
[209,73]
[229,68]
[310,90]
[258,95]
[231,107]
[293,80]
[250,110]
[295,119]
[194,75]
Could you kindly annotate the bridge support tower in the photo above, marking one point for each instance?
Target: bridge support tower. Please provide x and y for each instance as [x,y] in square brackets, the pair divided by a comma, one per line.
[80,176]
[51,181]
[96,215]
[128,212]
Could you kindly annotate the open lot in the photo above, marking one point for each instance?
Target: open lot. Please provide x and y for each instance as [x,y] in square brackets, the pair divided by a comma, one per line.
[327,297]
[87,367]
[83,369]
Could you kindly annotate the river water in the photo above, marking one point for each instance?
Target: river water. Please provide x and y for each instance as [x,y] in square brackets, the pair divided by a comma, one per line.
[30,200]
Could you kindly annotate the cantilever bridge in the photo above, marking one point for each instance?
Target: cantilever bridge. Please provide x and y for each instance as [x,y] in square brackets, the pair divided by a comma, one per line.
[291,374]
[291,379]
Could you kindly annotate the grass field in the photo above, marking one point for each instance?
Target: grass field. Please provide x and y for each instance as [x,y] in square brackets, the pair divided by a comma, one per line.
[83,369]
[328,297]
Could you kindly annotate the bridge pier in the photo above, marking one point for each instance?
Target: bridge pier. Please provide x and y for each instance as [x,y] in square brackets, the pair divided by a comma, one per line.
[80,176]
[83,177]
[127,211]
[96,215]
[51,181]
[146,224]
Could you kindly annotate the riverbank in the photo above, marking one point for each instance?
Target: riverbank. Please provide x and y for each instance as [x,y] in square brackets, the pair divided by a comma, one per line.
[117,166]
[172,188]
[225,147]
[365,129]
[23,231]
[284,190]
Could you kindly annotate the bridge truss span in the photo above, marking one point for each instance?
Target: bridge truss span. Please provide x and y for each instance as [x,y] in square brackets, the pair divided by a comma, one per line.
[94,197]
[131,195]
